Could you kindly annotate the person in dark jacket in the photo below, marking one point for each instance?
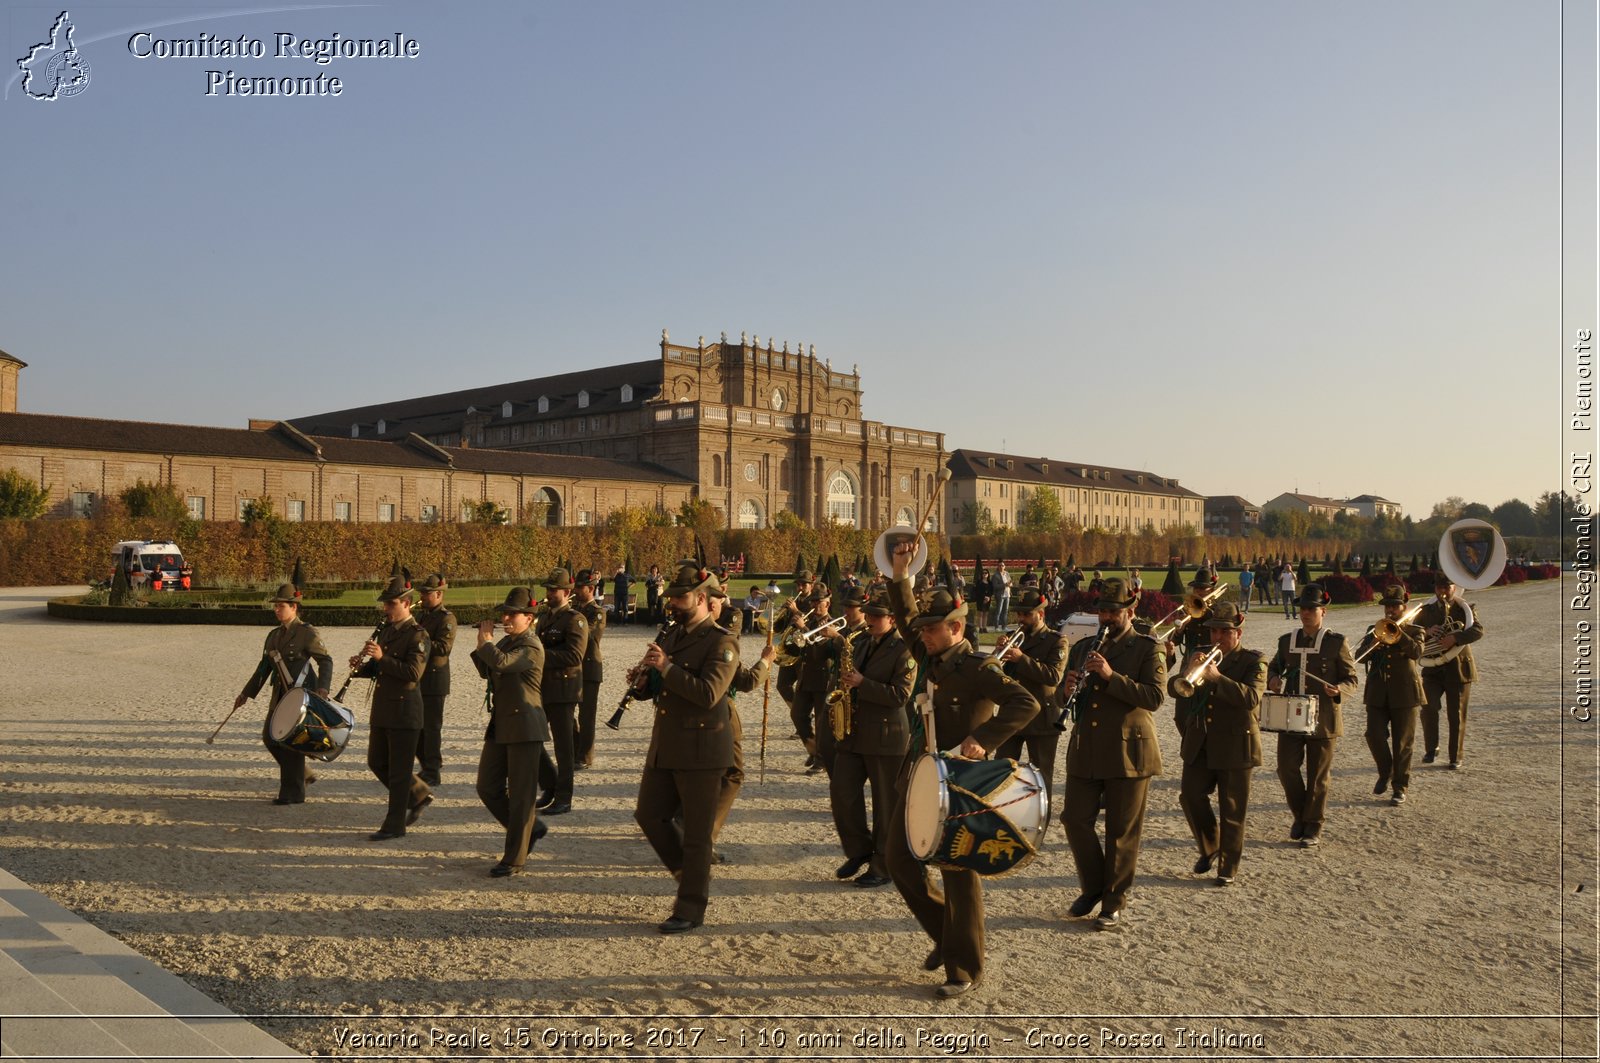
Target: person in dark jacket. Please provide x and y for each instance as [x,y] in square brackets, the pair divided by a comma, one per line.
[508,768]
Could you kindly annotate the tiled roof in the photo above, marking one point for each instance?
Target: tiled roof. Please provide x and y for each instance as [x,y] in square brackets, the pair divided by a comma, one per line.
[276,444]
[975,463]
[431,414]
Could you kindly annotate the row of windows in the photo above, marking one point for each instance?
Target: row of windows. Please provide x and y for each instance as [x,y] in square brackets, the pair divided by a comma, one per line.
[1100,497]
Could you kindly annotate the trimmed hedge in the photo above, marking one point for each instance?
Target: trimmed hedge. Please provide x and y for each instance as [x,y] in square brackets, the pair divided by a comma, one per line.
[322,616]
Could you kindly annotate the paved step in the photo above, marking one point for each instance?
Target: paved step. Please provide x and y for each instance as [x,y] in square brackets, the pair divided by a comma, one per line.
[68,989]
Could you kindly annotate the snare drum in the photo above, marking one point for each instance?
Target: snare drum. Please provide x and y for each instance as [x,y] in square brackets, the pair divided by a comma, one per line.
[1289,713]
[310,725]
[987,816]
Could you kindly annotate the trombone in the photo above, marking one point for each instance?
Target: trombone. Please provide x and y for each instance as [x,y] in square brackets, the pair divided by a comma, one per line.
[1193,604]
[1387,632]
[1185,685]
[789,650]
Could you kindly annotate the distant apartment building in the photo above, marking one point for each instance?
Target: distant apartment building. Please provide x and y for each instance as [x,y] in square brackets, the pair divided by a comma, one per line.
[1231,515]
[1375,506]
[1092,496]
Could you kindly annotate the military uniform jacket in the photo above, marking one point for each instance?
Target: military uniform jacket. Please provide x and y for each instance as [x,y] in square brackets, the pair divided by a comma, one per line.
[297,643]
[1114,736]
[971,697]
[514,667]
[879,724]
[1332,662]
[1462,668]
[440,626]
[593,662]
[1039,669]
[1393,680]
[565,636]
[692,729]
[747,679]
[396,697]
[1224,730]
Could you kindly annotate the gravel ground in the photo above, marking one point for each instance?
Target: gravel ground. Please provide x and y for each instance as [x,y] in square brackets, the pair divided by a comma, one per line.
[1461,924]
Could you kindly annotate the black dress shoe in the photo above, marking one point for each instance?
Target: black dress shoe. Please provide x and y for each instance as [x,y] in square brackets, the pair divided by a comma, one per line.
[852,867]
[872,881]
[1202,865]
[1224,880]
[717,857]
[677,925]
[1109,921]
[1297,831]
[1082,906]
[559,808]
[954,988]
[540,829]
[1430,757]
[288,800]
[311,777]
[935,959]
[1310,841]
[1381,785]
[416,809]
[546,799]
[503,870]
[384,835]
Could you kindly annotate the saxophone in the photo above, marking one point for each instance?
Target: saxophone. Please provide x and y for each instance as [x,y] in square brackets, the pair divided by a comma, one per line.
[841,705]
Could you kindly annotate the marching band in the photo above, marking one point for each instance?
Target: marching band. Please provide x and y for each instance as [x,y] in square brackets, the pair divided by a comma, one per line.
[938,757]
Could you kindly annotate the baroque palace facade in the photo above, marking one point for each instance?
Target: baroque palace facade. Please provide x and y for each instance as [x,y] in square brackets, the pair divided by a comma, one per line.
[758,430]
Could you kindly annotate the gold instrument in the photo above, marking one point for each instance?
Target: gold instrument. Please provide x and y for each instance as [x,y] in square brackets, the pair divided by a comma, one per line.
[841,706]
[1194,606]
[1387,632]
[1187,684]
[904,533]
[789,652]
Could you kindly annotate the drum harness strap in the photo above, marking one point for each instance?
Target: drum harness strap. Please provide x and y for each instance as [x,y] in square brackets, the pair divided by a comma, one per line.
[1304,652]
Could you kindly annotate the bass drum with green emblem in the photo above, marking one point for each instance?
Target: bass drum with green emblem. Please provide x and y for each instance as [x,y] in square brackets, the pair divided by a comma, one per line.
[987,816]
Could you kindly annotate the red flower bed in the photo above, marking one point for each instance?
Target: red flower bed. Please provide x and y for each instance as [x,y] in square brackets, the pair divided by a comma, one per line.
[1345,590]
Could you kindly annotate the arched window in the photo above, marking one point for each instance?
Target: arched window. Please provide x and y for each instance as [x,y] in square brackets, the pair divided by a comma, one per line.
[841,500]
[546,508]
[544,404]
[750,514]
[505,408]
[583,400]
[627,393]
[383,426]
[716,470]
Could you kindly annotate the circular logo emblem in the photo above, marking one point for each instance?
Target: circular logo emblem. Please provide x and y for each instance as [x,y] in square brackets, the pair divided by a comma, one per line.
[67,72]
[750,471]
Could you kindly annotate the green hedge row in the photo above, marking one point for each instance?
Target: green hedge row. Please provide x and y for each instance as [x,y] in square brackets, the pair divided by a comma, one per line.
[324,616]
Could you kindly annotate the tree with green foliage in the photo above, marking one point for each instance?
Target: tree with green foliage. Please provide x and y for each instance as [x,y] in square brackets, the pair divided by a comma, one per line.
[799,565]
[121,593]
[298,577]
[159,501]
[1304,575]
[974,518]
[259,511]
[1172,586]
[21,498]
[1039,512]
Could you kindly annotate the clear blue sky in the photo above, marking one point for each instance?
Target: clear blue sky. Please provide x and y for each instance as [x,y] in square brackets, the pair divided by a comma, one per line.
[1253,245]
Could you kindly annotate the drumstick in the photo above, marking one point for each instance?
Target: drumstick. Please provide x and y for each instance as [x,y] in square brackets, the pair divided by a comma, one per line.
[212,740]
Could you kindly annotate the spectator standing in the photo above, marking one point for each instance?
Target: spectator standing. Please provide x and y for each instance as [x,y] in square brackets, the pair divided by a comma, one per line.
[621,595]
[1286,590]
[1247,581]
[652,593]
[1000,584]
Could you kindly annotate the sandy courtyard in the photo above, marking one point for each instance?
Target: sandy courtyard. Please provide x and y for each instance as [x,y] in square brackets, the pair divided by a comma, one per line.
[1462,924]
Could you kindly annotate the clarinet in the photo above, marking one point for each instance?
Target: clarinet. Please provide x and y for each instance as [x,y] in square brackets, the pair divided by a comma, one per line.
[1069,704]
[635,692]
[339,697]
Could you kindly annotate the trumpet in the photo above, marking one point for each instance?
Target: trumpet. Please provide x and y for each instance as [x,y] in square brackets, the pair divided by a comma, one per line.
[1187,684]
[808,638]
[1194,605]
[1010,643]
[1387,632]
[634,691]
